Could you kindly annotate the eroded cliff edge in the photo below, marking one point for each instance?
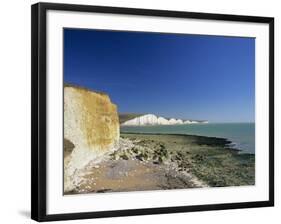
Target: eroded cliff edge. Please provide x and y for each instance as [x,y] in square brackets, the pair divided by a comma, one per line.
[91,130]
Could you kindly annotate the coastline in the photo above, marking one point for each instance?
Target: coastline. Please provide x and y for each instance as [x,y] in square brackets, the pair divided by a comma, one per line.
[241,135]
[146,161]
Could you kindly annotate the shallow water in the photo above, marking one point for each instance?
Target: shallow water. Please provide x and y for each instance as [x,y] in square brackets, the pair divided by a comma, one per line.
[242,135]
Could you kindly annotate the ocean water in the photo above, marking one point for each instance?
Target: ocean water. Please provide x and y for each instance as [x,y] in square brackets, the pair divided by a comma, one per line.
[242,135]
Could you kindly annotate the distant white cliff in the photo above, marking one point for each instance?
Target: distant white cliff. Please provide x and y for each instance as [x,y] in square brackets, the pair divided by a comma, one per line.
[151,119]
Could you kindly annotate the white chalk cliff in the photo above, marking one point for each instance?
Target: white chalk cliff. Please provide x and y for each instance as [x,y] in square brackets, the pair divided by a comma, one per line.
[91,126]
[151,119]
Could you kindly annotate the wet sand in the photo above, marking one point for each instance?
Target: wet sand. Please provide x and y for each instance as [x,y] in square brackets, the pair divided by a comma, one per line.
[161,162]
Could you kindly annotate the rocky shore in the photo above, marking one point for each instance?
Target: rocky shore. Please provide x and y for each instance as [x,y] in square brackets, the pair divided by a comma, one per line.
[159,162]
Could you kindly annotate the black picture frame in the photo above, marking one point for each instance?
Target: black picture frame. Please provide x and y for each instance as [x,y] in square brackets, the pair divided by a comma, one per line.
[39,121]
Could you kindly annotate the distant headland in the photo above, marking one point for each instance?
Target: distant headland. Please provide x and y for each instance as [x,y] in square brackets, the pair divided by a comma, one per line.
[152,119]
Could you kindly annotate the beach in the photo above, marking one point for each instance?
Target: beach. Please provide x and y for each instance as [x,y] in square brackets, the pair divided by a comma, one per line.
[167,161]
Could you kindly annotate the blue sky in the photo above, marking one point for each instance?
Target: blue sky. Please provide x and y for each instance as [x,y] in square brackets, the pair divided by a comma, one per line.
[172,75]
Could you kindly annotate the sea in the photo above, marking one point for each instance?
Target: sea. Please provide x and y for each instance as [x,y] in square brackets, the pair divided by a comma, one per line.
[242,135]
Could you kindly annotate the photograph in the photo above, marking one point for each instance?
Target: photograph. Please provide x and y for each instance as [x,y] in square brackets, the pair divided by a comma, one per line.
[147,111]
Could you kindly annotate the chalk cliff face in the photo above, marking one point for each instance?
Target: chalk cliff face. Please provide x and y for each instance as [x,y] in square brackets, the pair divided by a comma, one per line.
[91,124]
[151,119]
